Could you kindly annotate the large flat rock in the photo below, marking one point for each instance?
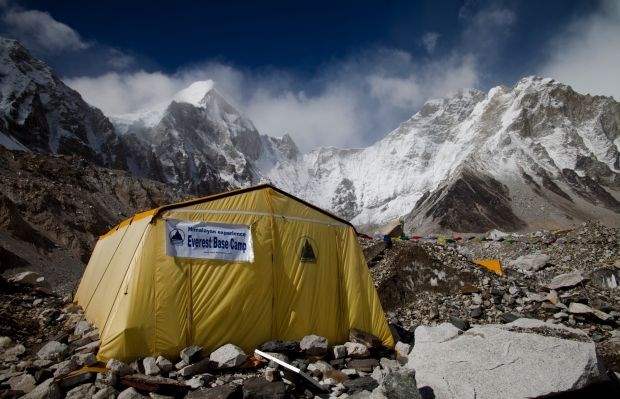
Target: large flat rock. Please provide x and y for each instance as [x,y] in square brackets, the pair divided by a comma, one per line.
[523,359]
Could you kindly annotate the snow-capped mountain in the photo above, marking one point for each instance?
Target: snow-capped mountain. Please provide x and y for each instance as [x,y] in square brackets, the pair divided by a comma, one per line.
[534,155]
[199,142]
[39,113]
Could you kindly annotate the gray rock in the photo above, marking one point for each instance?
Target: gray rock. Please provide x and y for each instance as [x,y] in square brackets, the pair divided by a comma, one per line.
[66,367]
[82,391]
[131,393]
[46,390]
[23,382]
[150,366]
[321,366]
[5,342]
[339,352]
[119,368]
[85,359]
[459,323]
[197,368]
[365,365]
[191,353]
[228,356]
[258,387]
[69,382]
[357,350]
[511,361]
[82,327]
[29,278]
[106,393]
[314,345]
[164,364]
[53,350]
[106,379]
[565,280]
[280,346]
[11,354]
[220,392]
[530,263]
[402,348]
[91,347]
[582,309]
[400,384]
[366,383]
[475,312]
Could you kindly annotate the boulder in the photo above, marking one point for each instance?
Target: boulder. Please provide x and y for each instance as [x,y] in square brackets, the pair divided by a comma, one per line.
[82,391]
[131,393]
[356,350]
[164,364]
[119,368]
[53,350]
[314,345]
[585,310]
[530,263]
[228,356]
[565,280]
[191,354]
[150,366]
[23,382]
[522,359]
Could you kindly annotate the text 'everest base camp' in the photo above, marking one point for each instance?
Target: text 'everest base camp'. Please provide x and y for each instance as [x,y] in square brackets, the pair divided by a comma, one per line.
[472,252]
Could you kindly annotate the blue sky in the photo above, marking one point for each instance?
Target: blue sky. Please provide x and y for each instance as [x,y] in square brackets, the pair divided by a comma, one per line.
[340,73]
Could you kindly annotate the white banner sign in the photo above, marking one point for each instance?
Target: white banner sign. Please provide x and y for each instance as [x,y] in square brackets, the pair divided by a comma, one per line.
[209,241]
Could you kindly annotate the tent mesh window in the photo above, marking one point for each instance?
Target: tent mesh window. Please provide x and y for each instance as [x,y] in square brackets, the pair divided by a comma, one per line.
[307,252]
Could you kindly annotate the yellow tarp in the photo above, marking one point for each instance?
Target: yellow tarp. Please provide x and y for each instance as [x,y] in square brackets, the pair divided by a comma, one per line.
[492,264]
[146,303]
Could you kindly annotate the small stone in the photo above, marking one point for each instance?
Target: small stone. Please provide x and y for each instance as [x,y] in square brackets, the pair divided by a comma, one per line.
[475,312]
[580,308]
[66,367]
[106,393]
[181,364]
[131,393]
[361,384]
[24,382]
[320,366]
[509,317]
[365,365]
[280,346]
[82,327]
[85,359]
[5,342]
[552,297]
[82,391]
[150,366]
[13,352]
[469,289]
[76,379]
[191,353]
[53,350]
[228,356]
[356,350]
[362,337]
[120,368]
[197,368]
[271,374]
[351,373]
[164,364]
[459,323]
[402,348]
[314,345]
[339,352]
[566,280]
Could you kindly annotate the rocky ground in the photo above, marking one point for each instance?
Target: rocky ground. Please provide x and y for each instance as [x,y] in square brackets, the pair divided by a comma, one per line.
[567,278]
[426,282]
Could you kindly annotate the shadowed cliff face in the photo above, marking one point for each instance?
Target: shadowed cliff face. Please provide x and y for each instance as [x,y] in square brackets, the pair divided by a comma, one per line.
[53,208]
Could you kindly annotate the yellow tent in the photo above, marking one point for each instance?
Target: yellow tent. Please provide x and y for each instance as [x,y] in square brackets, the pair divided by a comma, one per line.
[492,264]
[241,267]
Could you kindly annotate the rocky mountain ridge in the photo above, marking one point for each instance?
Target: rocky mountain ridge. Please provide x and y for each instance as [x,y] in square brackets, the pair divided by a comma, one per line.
[533,156]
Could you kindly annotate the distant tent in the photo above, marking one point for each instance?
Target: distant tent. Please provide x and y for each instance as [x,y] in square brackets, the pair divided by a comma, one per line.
[242,267]
[492,264]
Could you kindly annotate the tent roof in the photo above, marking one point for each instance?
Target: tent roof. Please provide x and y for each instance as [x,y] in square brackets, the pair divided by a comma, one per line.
[157,211]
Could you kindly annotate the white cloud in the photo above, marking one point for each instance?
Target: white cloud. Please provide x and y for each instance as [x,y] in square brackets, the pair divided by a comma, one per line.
[40,31]
[586,54]
[429,41]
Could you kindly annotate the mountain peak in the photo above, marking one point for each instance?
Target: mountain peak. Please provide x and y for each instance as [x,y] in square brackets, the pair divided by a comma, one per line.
[195,93]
